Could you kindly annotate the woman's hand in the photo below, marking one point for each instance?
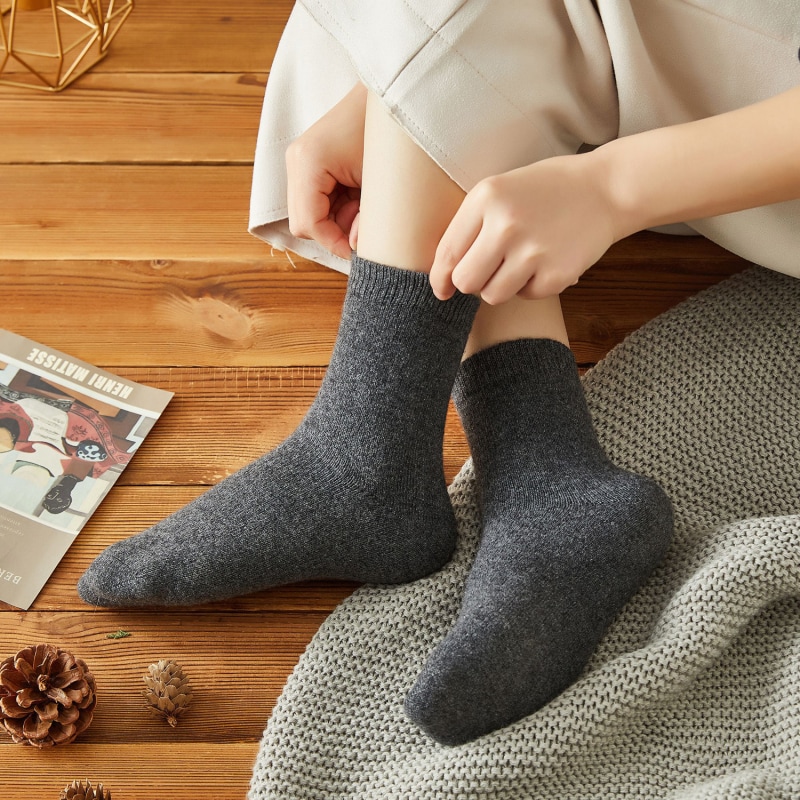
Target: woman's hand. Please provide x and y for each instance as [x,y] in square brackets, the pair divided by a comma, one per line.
[324,175]
[534,231]
[529,232]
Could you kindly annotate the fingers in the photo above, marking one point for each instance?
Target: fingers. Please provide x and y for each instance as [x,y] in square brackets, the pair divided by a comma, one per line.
[313,221]
[510,278]
[454,245]
[498,274]
[544,284]
[492,269]
[477,253]
[354,232]
[344,207]
[506,241]
[320,208]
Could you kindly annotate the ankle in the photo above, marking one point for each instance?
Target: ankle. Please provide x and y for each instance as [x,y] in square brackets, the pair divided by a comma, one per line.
[516,319]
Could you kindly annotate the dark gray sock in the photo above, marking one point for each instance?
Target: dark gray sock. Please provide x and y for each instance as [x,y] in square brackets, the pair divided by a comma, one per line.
[568,538]
[357,492]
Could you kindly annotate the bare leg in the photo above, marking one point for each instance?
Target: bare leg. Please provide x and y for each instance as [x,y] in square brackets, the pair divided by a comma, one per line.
[407,202]
[517,319]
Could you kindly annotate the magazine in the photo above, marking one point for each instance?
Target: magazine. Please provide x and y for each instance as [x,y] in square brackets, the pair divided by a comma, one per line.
[67,430]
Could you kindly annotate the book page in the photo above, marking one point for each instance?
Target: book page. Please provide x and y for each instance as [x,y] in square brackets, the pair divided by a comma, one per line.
[67,431]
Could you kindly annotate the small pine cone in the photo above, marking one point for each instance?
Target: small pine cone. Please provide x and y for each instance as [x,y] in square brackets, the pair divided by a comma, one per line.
[47,696]
[80,790]
[168,693]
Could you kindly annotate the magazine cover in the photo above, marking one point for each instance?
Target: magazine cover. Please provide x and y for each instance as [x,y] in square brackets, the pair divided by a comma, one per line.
[67,430]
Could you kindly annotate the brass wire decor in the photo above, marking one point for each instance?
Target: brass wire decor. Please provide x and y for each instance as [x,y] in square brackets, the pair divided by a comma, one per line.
[78,33]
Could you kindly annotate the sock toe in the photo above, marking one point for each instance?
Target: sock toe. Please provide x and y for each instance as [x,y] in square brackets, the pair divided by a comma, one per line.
[438,714]
[130,573]
[99,585]
[451,704]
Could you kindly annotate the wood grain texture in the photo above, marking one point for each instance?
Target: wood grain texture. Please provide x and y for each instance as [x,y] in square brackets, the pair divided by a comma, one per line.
[270,310]
[112,211]
[176,36]
[201,36]
[228,312]
[236,678]
[216,424]
[135,771]
[154,118]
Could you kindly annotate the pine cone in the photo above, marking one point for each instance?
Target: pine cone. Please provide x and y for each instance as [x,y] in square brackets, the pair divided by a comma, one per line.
[47,696]
[168,692]
[78,790]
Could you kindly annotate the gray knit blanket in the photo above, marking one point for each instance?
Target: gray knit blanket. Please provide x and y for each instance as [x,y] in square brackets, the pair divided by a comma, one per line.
[695,690]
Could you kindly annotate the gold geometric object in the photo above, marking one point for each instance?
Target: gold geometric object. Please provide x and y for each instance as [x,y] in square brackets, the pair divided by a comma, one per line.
[77,33]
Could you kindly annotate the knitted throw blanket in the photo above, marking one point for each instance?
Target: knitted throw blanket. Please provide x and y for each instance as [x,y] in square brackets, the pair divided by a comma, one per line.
[695,690]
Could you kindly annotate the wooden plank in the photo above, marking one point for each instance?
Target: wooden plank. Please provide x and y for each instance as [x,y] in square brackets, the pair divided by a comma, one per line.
[58,211]
[218,313]
[136,771]
[136,118]
[638,279]
[237,663]
[272,312]
[145,212]
[202,36]
[219,420]
[174,36]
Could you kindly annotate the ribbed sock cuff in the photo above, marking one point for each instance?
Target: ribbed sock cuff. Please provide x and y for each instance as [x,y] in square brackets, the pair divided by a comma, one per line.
[404,289]
[510,364]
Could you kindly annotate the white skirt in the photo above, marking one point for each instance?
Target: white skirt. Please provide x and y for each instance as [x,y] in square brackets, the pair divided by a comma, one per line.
[484,86]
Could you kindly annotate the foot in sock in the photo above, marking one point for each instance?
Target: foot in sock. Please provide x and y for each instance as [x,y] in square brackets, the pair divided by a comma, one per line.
[357,492]
[568,538]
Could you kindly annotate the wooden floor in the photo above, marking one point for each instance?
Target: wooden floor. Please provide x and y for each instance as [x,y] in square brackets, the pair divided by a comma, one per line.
[123,210]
